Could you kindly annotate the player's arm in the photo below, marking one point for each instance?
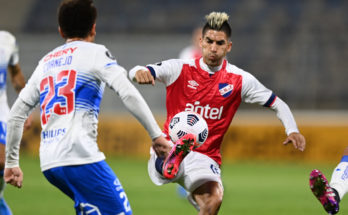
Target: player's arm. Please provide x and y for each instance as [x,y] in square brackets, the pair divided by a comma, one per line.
[286,117]
[166,72]
[142,75]
[21,109]
[115,77]
[254,92]
[137,106]
[18,114]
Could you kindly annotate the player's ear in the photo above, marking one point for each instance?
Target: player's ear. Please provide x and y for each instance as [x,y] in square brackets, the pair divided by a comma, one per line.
[93,30]
[200,41]
[229,46]
[61,32]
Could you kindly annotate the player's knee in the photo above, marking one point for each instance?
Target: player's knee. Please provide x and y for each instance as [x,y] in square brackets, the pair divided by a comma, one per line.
[212,205]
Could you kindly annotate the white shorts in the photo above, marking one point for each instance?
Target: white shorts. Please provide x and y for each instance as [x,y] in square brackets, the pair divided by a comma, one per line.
[195,170]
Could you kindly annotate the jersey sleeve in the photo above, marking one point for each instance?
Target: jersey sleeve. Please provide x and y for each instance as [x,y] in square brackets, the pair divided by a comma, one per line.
[30,94]
[18,114]
[115,77]
[255,92]
[166,71]
[14,56]
[106,66]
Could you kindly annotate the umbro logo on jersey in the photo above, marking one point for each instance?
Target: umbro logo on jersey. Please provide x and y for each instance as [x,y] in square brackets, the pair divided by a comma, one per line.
[192,84]
[225,89]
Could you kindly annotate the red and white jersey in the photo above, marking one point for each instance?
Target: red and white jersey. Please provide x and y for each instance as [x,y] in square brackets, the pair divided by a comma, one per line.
[215,95]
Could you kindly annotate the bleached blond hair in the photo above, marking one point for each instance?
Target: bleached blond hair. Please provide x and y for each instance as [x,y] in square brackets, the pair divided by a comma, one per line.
[217,21]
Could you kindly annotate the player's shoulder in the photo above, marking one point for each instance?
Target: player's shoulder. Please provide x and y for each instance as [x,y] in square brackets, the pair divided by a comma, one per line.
[6,36]
[101,49]
[190,62]
[233,69]
[96,46]
[174,62]
[89,46]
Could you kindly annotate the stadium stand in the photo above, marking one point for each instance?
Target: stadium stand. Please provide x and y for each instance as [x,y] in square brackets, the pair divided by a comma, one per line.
[297,48]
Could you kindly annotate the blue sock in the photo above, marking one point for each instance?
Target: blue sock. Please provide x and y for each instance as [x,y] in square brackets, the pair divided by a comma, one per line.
[4,209]
[159,165]
[344,158]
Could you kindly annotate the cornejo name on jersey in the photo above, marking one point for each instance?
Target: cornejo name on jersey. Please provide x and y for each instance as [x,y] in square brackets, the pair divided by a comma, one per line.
[206,111]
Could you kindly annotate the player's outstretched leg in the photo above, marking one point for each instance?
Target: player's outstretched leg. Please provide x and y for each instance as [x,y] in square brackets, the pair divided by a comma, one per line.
[179,151]
[324,193]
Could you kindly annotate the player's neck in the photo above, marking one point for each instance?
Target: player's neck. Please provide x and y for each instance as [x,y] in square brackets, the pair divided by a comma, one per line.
[86,39]
[209,69]
[69,40]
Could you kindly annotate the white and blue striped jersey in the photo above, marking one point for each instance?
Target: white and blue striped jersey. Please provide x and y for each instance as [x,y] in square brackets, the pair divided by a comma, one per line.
[68,85]
[8,56]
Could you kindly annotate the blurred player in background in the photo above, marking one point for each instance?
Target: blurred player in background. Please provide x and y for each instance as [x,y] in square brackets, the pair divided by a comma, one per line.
[68,85]
[194,50]
[9,62]
[331,194]
[213,88]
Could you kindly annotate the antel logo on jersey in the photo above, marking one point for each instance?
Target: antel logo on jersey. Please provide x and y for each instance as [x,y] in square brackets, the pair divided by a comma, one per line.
[193,84]
[206,111]
[225,89]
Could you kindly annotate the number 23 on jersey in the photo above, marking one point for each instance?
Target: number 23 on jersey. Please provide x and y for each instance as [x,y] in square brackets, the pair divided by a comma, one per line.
[57,94]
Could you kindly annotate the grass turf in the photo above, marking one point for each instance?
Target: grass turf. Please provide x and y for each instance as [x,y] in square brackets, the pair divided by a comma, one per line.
[251,187]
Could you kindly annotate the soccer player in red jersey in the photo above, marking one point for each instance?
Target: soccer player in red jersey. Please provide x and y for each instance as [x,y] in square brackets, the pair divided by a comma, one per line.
[213,88]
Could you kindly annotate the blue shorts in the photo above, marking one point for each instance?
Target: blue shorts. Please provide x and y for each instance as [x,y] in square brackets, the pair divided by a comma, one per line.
[94,187]
[2,132]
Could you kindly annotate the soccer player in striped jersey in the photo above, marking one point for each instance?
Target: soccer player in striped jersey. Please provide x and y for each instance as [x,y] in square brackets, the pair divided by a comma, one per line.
[68,85]
[214,88]
[9,64]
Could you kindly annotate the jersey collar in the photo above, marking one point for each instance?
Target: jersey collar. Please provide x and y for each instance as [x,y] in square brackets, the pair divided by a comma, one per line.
[198,62]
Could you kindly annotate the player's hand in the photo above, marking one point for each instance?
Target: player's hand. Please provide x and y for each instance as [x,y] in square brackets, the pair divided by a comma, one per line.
[28,122]
[161,146]
[297,140]
[144,77]
[14,176]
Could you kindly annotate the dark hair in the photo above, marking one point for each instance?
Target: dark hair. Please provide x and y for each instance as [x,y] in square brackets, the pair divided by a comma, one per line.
[76,17]
[225,27]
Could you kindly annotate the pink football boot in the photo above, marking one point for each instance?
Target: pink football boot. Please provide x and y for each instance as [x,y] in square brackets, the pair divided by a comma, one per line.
[179,151]
[324,193]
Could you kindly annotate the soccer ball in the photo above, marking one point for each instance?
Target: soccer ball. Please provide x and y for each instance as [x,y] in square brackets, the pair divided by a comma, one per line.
[188,122]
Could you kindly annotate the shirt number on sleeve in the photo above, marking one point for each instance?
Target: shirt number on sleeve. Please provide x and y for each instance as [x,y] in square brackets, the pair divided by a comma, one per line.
[57,96]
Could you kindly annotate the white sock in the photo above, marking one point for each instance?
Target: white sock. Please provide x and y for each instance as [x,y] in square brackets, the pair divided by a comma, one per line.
[339,179]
